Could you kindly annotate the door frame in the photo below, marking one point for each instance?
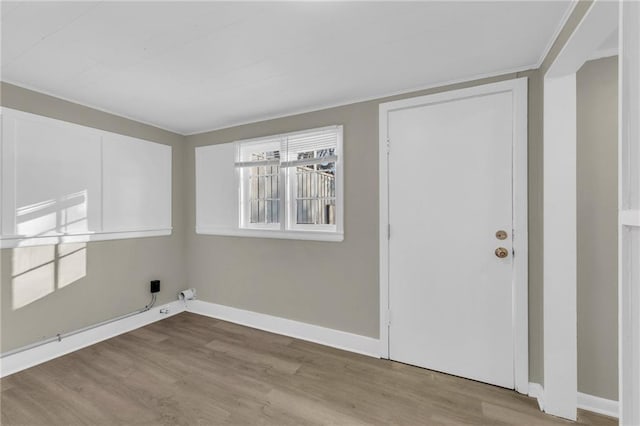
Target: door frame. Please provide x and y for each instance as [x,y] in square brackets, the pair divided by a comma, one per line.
[560,207]
[518,87]
[629,219]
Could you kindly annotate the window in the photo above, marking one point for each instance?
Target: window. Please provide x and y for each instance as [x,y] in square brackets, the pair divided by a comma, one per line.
[311,179]
[291,182]
[259,166]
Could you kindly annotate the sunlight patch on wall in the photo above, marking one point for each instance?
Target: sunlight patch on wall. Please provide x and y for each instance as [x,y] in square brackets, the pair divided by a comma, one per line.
[73,209]
[67,213]
[38,225]
[39,271]
[72,263]
[33,274]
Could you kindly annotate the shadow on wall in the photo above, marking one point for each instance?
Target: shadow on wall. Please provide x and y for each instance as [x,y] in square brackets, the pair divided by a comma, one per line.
[40,270]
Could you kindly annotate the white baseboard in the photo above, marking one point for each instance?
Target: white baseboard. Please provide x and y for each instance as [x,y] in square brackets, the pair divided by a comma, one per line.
[19,361]
[313,333]
[587,402]
[598,405]
[537,391]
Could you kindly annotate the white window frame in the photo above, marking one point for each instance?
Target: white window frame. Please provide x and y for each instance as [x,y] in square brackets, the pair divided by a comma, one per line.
[291,187]
[287,228]
[244,207]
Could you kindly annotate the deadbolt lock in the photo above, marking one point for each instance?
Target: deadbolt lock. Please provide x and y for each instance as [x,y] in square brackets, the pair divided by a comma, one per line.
[502,252]
[501,235]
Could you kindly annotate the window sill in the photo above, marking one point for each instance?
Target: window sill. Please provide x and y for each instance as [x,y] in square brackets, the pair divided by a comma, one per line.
[14,241]
[282,235]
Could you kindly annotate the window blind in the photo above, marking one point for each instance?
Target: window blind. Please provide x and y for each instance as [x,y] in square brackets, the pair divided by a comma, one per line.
[292,149]
[314,140]
[262,148]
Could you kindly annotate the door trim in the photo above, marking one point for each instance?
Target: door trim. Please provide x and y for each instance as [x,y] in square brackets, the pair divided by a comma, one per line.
[560,208]
[518,87]
[628,272]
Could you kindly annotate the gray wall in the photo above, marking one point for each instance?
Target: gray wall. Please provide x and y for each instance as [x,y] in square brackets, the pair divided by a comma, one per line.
[597,173]
[117,272]
[336,285]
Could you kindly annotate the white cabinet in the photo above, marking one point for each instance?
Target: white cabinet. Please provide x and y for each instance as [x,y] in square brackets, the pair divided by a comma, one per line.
[61,182]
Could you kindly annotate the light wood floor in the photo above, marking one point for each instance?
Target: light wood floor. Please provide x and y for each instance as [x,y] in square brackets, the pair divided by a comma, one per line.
[190,369]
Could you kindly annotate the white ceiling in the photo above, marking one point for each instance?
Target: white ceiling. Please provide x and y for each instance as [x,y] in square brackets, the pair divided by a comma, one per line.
[192,67]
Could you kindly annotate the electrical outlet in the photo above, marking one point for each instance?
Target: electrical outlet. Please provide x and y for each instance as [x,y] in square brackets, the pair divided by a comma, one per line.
[155,286]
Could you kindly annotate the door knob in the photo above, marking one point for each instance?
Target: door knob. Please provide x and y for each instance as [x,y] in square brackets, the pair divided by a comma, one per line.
[502,252]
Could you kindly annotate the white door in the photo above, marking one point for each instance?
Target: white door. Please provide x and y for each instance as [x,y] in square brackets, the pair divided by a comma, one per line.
[450,192]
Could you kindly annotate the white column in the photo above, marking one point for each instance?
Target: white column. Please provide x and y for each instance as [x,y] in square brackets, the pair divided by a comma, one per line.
[560,276]
[629,232]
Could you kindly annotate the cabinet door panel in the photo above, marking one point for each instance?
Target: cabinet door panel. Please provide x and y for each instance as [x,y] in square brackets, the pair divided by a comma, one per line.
[57,183]
[216,189]
[137,184]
